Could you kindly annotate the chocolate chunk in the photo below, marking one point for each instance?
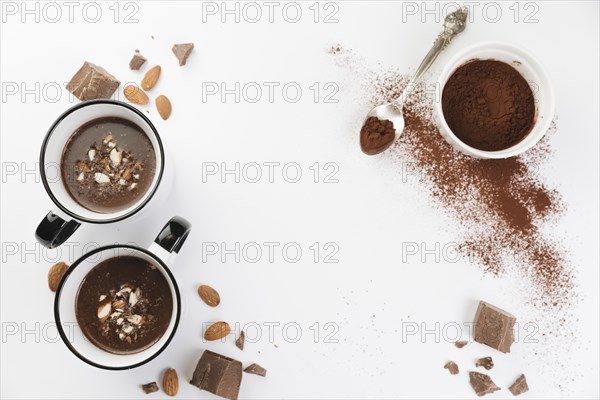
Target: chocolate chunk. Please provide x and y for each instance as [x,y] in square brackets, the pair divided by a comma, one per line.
[482,384]
[92,82]
[150,387]
[461,343]
[218,375]
[137,61]
[182,51]
[452,367]
[520,386]
[256,370]
[494,327]
[485,362]
[241,340]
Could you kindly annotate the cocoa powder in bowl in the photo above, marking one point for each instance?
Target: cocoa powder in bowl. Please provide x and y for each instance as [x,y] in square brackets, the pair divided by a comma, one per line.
[488,105]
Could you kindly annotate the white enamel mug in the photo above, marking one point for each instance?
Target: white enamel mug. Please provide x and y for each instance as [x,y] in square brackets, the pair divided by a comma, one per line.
[161,254]
[528,67]
[68,216]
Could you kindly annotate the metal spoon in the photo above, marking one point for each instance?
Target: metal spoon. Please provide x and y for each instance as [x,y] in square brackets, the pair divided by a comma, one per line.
[454,23]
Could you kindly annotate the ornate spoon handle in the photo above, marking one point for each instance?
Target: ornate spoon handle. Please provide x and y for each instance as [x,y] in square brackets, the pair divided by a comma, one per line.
[454,23]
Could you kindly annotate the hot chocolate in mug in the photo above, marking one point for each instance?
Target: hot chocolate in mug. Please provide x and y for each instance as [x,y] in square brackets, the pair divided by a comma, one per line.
[118,307]
[70,162]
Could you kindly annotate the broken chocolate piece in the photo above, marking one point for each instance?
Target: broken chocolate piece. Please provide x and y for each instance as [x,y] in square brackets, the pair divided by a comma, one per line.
[92,82]
[494,327]
[485,362]
[461,343]
[150,387]
[137,61]
[182,52]
[520,386]
[241,340]
[256,370]
[452,367]
[482,384]
[218,375]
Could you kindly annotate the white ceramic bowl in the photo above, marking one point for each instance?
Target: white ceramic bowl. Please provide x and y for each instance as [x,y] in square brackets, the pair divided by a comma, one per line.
[528,67]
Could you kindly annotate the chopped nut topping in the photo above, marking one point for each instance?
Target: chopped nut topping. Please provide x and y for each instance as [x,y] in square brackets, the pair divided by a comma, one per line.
[101,178]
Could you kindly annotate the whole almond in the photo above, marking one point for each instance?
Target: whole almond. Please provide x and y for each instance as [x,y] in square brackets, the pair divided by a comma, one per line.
[55,275]
[209,295]
[151,78]
[163,105]
[135,95]
[217,331]
[170,382]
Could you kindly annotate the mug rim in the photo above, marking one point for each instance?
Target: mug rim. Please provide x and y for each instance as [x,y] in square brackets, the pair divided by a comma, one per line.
[62,333]
[65,114]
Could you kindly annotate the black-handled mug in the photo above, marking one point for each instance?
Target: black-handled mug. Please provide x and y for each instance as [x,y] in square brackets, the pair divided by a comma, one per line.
[62,222]
[161,255]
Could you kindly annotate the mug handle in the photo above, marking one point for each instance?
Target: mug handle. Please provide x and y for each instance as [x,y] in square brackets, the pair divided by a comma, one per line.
[54,231]
[170,239]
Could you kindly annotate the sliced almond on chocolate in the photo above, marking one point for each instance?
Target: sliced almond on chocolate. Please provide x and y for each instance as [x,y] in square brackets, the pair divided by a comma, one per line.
[135,319]
[101,178]
[116,157]
[133,299]
[104,311]
[119,305]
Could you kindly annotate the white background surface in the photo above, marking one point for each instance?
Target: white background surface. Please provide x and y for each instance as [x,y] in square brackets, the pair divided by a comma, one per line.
[370,293]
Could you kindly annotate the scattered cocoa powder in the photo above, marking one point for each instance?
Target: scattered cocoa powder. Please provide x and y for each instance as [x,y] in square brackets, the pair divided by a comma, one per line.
[520,245]
[501,206]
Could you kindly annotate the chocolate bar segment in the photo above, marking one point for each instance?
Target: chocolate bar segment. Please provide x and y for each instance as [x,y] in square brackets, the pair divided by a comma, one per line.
[452,367]
[485,362]
[494,327]
[150,387]
[241,340]
[256,370]
[218,375]
[482,384]
[520,386]
[137,61]
[182,52]
[92,82]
